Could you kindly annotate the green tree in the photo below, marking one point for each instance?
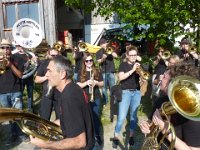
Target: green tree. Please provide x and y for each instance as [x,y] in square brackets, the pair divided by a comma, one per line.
[164,18]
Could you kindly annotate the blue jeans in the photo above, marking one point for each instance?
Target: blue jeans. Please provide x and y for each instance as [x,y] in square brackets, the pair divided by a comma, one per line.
[109,79]
[9,100]
[75,77]
[95,113]
[129,99]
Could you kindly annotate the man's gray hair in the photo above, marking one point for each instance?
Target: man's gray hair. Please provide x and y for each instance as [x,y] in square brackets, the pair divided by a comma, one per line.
[62,63]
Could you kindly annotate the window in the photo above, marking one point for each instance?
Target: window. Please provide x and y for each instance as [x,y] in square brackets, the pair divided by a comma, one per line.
[16,11]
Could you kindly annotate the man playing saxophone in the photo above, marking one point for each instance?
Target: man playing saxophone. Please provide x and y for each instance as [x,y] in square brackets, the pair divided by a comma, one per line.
[187,131]
[90,80]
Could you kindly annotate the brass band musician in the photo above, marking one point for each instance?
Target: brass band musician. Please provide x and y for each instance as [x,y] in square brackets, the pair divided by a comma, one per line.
[90,80]
[187,131]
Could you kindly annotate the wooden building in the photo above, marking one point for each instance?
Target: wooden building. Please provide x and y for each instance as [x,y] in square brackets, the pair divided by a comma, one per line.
[53,16]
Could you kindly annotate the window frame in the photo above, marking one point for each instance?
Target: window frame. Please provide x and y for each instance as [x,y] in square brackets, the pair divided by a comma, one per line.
[16,5]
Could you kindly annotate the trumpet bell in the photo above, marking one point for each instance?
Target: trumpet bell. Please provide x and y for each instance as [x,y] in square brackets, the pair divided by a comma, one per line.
[184,94]
[166,55]
[109,50]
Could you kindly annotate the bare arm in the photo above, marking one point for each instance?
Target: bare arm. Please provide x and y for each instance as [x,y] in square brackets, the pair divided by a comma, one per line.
[77,142]
[16,71]
[40,79]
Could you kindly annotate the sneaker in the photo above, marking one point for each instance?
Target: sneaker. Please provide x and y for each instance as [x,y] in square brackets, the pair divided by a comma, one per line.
[115,143]
[98,139]
[131,142]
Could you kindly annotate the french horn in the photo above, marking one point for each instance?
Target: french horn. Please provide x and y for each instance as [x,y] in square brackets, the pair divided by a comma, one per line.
[184,95]
[31,124]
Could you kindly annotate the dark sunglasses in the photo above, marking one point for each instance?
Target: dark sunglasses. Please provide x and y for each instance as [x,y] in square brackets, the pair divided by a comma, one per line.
[90,60]
[5,47]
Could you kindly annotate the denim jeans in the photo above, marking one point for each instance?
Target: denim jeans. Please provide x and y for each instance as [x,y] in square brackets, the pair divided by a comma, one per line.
[95,113]
[129,99]
[109,79]
[29,86]
[9,100]
[75,77]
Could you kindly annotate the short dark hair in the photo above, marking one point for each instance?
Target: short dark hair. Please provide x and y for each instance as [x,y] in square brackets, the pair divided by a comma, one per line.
[102,41]
[64,64]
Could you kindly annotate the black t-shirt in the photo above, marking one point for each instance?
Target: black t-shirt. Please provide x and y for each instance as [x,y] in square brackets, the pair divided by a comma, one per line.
[186,130]
[160,68]
[108,65]
[132,82]
[78,61]
[9,81]
[96,91]
[76,116]
[41,71]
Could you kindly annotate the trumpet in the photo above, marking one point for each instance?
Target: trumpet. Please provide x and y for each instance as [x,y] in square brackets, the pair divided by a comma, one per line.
[166,55]
[82,47]
[109,50]
[57,46]
[193,49]
[3,61]
[144,74]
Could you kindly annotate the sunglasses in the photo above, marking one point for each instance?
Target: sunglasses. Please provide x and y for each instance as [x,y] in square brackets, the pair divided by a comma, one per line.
[5,47]
[54,55]
[90,60]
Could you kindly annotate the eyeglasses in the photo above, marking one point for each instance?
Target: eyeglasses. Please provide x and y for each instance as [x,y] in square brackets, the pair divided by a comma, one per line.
[90,60]
[5,47]
[132,55]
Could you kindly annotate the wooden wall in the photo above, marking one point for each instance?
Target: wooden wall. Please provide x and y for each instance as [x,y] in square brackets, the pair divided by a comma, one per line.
[46,19]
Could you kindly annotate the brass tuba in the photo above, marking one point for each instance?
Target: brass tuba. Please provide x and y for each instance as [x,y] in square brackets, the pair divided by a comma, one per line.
[184,95]
[31,124]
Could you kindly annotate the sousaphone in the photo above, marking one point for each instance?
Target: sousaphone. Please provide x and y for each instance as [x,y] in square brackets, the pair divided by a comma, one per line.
[28,34]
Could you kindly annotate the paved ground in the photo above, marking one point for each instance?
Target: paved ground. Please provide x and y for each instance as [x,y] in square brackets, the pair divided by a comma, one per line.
[107,132]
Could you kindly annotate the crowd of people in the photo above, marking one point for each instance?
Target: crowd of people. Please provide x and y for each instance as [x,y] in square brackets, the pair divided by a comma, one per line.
[76,94]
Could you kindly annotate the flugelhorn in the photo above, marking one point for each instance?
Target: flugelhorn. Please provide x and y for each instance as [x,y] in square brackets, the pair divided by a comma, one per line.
[32,124]
[184,95]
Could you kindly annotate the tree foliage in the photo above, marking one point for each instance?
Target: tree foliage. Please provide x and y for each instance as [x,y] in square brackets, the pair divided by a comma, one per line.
[164,18]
